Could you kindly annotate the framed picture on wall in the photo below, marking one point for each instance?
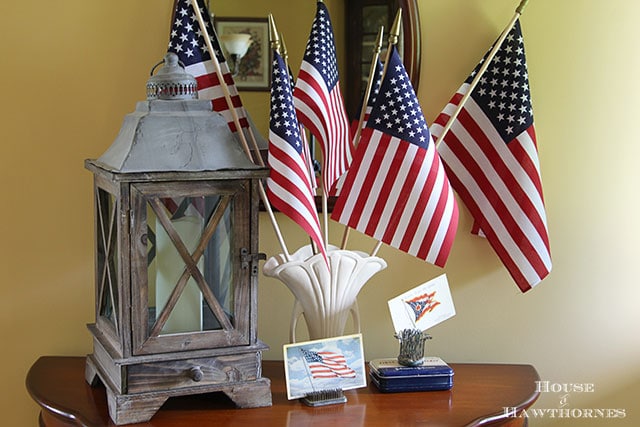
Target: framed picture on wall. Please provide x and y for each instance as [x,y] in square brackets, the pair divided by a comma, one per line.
[245,42]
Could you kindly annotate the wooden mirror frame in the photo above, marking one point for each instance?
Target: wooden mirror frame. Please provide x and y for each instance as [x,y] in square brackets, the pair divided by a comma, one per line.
[411,45]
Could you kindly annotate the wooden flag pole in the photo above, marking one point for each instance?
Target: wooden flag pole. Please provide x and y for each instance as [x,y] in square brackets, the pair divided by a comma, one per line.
[223,83]
[236,121]
[374,62]
[325,210]
[376,248]
[374,65]
[482,70]
[227,94]
[255,145]
[394,35]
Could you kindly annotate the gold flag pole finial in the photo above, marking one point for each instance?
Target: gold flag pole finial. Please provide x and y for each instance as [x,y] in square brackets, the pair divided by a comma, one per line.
[521,6]
[394,33]
[274,36]
[378,47]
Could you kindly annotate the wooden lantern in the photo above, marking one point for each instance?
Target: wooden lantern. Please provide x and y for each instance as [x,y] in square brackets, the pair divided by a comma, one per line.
[176,230]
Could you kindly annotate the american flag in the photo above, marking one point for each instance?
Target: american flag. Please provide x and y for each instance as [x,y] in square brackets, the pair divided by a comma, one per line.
[289,186]
[327,364]
[396,189]
[491,158]
[187,41]
[422,304]
[375,89]
[318,100]
[306,146]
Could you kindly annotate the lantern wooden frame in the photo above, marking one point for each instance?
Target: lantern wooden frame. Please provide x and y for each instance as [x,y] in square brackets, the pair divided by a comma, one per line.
[140,367]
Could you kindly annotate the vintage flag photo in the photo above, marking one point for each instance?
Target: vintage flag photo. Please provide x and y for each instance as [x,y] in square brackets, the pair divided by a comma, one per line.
[326,364]
[423,307]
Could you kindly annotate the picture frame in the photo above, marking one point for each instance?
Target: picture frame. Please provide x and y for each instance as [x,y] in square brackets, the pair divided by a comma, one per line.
[254,69]
[324,364]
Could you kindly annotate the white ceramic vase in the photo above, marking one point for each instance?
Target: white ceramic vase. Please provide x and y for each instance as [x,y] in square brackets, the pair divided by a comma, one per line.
[325,298]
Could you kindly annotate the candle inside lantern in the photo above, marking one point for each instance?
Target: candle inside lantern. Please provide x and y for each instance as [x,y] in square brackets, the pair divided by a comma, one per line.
[187,314]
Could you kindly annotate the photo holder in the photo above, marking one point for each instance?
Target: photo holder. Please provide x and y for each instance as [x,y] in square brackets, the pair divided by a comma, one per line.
[412,343]
[324,397]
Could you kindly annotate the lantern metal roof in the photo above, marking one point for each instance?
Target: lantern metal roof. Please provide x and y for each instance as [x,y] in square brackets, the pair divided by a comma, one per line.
[174,135]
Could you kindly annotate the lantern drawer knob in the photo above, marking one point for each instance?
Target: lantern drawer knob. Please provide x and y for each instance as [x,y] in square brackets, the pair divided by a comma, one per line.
[196,374]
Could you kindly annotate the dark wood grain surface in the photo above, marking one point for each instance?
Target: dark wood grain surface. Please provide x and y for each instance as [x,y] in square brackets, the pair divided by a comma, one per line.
[479,396]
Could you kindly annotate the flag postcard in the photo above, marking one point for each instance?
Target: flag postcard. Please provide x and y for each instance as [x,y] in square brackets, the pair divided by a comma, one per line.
[326,364]
[422,307]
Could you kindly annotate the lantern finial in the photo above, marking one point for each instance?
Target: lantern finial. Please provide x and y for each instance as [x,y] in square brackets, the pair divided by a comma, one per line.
[171,81]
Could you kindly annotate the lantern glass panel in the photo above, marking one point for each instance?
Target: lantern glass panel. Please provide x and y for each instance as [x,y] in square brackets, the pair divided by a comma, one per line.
[107,256]
[186,234]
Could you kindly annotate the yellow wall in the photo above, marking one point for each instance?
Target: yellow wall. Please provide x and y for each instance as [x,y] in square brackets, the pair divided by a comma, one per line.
[71,70]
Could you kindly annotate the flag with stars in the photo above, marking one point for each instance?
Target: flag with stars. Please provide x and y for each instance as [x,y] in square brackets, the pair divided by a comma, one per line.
[396,189]
[375,88]
[187,41]
[306,146]
[327,364]
[319,102]
[491,158]
[422,305]
[289,186]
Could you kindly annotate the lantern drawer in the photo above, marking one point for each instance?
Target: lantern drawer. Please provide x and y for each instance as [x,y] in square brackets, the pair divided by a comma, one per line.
[176,374]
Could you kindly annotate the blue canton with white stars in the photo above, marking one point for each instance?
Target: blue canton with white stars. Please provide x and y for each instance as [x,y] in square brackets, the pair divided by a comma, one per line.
[397,111]
[375,87]
[187,41]
[321,49]
[503,91]
[311,356]
[283,120]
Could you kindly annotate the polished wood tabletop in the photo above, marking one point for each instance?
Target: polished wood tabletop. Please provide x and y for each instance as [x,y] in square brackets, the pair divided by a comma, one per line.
[479,396]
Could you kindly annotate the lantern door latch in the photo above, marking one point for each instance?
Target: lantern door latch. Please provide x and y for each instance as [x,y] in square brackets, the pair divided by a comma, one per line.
[251,260]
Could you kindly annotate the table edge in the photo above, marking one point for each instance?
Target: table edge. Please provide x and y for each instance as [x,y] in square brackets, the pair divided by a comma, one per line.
[72,415]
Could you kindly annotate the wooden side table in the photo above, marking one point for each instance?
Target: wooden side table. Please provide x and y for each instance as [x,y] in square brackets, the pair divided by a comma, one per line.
[482,394]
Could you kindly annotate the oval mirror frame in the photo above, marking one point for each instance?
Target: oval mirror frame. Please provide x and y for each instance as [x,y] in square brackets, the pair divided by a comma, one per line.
[412,38]
[359,36]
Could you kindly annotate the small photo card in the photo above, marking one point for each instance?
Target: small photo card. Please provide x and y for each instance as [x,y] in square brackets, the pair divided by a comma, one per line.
[422,307]
[327,364]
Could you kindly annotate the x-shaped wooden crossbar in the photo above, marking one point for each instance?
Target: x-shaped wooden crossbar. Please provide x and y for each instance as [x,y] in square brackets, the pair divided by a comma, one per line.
[191,264]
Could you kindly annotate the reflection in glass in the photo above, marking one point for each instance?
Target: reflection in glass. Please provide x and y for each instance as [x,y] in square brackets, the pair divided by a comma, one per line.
[374,17]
